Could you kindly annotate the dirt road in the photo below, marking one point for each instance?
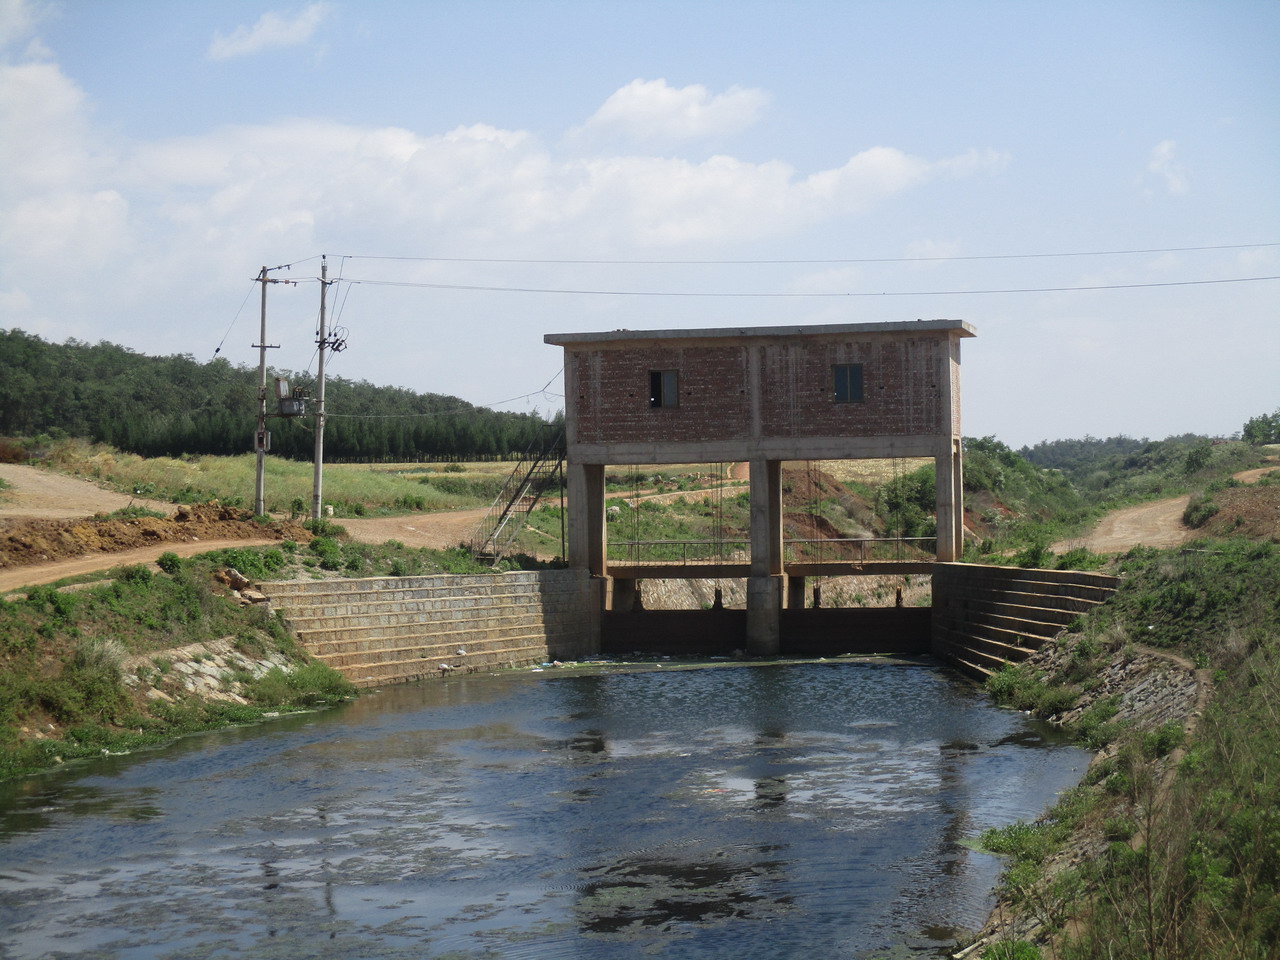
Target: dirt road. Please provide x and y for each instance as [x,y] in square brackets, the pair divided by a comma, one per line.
[52,496]
[36,496]
[15,578]
[440,531]
[1156,524]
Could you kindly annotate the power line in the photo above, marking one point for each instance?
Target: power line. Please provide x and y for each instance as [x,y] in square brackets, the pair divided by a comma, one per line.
[885,293]
[469,408]
[822,260]
[218,349]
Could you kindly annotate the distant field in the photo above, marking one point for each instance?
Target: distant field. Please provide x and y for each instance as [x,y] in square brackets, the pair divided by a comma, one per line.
[353,489]
[381,488]
[872,472]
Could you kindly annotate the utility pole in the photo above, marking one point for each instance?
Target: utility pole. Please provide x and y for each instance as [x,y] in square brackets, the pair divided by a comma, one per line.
[262,439]
[322,340]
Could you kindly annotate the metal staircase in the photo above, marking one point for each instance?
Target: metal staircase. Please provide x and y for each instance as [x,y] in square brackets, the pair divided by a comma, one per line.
[534,475]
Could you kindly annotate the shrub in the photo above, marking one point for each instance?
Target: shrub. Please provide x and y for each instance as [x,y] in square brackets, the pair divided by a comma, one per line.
[329,551]
[1094,728]
[324,528]
[1024,842]
[1036,555]
[169,562]
[308,685]
[132,513]
[1199,511]
[1163,740]
[255,563]
[1081,558]
[1012,950]
[138,575]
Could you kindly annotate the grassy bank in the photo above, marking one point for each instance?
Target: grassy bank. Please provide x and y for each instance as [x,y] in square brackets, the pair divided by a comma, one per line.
[93,668]
[1169,850]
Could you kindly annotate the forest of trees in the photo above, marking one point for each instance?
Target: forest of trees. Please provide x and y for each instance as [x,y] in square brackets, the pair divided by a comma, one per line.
[168,406]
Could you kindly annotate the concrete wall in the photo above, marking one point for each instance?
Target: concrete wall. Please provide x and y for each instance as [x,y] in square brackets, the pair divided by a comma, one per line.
[826,632]
[987,616]
[397,629]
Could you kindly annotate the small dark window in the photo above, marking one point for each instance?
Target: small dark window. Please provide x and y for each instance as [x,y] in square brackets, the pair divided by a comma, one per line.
[848,382]
[663,388]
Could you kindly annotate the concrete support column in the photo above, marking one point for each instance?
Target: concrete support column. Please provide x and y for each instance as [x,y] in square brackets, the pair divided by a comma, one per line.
[950,502]
[586,527]
[766,518]
[625,591]
[764,630]
[795,593]
[764,587]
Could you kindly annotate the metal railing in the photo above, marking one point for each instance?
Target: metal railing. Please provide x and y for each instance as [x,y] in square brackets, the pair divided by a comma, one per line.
[533,476]
[680,551]
[859,549]
[835,550]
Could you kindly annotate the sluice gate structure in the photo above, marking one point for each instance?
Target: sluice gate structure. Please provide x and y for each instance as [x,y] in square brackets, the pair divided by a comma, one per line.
[760,396]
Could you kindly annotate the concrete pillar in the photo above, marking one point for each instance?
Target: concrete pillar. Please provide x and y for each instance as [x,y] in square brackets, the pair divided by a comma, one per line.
[795,593]
[764,586]
[950,502]
[586,523]
[764,631]
[957,485]
[766,517]
[625,592]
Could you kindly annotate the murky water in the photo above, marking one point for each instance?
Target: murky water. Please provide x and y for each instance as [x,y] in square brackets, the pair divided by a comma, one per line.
[805,810]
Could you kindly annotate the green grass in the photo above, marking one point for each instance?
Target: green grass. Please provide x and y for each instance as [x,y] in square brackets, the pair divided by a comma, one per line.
[62,656]
[1192,870]
[352,489]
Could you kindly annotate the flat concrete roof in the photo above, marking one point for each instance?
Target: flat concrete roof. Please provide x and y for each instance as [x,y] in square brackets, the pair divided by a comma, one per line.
[958,327]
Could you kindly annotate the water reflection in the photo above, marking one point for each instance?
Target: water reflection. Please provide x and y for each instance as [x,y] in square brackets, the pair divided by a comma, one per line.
[805,810]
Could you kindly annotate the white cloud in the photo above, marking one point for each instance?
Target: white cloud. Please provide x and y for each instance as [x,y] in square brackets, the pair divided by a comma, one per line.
[44,139]
[18,19]
[71,228]
[159,238]
[272,30]
[934,250]
[650,111]
[1165,168]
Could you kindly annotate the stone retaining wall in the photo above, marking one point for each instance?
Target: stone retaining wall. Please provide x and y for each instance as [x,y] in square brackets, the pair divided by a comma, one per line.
[397,629]
[987,616]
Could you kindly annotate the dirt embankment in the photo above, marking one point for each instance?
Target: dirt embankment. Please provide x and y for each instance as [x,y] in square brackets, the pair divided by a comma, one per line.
[53,527]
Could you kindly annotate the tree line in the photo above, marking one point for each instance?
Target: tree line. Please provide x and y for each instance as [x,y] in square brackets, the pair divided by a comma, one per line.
[169,406]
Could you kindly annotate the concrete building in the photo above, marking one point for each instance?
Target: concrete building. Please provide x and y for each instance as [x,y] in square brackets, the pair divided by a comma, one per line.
[763,396]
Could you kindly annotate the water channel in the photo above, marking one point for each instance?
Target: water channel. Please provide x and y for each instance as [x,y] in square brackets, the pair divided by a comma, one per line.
[793,810]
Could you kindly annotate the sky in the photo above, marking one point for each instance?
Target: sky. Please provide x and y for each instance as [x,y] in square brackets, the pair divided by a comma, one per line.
[1094,186]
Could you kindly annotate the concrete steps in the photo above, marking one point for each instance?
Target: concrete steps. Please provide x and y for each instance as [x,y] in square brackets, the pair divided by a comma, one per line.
[985,617]
[398,629]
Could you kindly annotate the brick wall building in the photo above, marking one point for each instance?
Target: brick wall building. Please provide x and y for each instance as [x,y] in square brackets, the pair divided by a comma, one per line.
[762,395]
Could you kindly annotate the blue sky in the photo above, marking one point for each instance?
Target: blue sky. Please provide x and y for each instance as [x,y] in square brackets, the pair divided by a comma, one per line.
[154,155]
